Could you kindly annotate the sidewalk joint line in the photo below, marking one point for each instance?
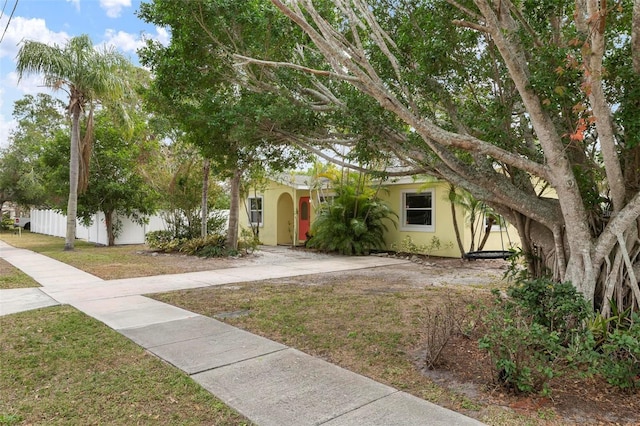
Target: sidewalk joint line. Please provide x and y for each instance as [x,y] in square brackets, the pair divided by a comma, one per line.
[237,362]
[395,391]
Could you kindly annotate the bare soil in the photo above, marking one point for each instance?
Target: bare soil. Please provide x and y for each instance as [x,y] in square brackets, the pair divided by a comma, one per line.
[466,369]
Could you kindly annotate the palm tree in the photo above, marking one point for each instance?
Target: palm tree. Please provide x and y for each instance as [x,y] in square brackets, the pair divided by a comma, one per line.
[87,76]
[480,217]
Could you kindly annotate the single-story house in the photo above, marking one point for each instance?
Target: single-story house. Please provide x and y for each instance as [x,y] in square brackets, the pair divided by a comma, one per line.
[284,209]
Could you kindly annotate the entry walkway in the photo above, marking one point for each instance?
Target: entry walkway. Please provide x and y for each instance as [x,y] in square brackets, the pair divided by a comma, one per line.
[266,381]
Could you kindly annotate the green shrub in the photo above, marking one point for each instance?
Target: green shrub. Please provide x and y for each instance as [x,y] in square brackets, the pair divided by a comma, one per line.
[544,329]
[621,358]
[187,224]
[353,223]
[209,246]
[558,307]
[617,340]
[249,241]
[523,353]
[6,223]
[163,241]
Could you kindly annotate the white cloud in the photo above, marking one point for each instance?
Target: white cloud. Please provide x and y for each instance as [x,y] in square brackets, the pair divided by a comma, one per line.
[21,29]
[6,127]
[128,42]
[123,41]
[30,84]
[163,36]
[114,7]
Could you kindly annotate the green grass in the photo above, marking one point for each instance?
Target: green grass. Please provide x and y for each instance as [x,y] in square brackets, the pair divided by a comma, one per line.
[11,277]
[124,261]
[347,322]
[61,367]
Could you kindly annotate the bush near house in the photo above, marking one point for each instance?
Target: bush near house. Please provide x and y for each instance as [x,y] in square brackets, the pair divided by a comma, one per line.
[352,223]
[213,245]
[209,246]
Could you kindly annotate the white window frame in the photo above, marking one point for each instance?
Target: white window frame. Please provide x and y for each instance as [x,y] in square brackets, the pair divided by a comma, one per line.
[260,210]
[404,226]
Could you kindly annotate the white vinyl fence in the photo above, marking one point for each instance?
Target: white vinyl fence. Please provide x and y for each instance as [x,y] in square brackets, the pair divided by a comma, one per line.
[49,222]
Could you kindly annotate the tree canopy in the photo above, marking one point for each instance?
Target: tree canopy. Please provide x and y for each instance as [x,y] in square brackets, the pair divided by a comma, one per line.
[39,118]
[501,98]
[202,95]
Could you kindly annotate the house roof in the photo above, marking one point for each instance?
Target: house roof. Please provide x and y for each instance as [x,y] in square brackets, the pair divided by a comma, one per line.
[306,182]
[300,181]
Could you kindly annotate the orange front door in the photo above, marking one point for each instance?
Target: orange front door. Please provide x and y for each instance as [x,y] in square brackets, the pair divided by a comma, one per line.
[304,218]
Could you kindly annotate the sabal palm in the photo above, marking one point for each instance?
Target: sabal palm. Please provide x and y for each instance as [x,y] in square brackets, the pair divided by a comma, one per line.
[87,76]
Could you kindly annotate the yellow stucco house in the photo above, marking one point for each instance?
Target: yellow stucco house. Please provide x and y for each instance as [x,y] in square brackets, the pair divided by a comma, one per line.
[284,209]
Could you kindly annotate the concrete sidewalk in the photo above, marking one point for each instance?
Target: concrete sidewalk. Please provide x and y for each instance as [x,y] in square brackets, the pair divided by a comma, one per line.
[268,382]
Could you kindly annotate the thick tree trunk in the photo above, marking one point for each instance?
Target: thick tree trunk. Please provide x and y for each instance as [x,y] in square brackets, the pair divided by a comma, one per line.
[74,167]
[561,177]
[635,36]
[234,211]
[204,208]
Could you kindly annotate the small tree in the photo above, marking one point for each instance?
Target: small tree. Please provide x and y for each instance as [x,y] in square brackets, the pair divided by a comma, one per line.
[179,176]
[117,185]
[479,217]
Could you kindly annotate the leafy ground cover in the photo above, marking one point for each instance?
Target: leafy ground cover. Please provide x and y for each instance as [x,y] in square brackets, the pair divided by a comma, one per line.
[61,367]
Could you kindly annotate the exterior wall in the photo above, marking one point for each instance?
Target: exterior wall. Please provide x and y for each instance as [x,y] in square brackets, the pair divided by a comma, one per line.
[443,229]
[272,231]
[285,214]
[279,213]
[499,238]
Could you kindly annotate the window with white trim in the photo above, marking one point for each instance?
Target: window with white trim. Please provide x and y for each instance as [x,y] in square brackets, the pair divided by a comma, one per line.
[418,211]
[255,210]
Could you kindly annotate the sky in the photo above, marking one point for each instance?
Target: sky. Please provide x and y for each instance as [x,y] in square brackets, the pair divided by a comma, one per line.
[107,22]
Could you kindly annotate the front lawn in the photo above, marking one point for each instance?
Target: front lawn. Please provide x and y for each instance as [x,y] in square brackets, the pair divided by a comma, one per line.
[61,367]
